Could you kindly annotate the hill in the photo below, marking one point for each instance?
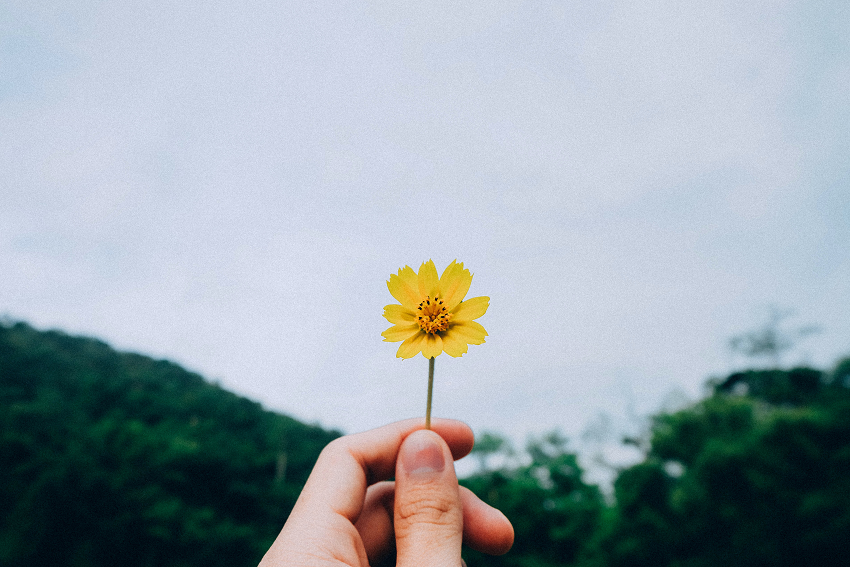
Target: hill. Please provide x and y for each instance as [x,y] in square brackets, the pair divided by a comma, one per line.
[112,458]
[115,458]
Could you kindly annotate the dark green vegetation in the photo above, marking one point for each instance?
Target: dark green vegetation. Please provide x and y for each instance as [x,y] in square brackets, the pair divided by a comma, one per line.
[111,458]
[757,474]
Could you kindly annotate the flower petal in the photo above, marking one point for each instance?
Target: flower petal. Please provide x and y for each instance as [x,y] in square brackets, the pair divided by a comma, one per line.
[398,314]
[404,287]
[433,345]
[428,279]
[468,310]
[470,331]
[400,332]
[454,284]
[454,345]
[448,274]
[411,347]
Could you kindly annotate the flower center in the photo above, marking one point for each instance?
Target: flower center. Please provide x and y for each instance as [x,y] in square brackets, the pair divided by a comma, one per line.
[432,315]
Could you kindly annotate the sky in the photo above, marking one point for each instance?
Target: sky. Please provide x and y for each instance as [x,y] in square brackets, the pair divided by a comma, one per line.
[229,184]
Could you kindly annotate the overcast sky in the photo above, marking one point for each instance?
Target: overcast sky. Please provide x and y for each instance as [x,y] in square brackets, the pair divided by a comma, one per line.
[229,184]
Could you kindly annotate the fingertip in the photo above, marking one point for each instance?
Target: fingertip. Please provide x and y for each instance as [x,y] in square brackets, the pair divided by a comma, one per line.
[502,544]
[457,435]
[422,453]
[485,528]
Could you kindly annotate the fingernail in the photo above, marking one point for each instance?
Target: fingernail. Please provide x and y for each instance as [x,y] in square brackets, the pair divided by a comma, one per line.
[421,454]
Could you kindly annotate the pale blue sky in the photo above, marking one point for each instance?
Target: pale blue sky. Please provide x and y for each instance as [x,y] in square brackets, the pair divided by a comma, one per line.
[229,184]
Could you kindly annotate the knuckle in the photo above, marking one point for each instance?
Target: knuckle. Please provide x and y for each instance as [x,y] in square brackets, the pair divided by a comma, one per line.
[427,507]
[337,447]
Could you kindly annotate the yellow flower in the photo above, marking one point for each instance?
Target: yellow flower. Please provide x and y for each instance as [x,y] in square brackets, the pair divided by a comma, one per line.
[433,317]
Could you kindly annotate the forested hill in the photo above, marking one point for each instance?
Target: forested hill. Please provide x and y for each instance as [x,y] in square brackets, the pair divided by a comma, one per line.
[113,458]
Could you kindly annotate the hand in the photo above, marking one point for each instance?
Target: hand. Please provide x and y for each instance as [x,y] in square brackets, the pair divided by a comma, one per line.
[346,516]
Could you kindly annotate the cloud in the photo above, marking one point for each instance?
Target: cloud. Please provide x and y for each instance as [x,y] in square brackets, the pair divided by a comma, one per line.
[229,185]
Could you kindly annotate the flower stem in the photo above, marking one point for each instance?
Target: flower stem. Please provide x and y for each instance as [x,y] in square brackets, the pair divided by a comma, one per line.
[430,392]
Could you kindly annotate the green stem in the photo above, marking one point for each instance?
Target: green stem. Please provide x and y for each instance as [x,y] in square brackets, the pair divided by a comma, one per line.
[430,392]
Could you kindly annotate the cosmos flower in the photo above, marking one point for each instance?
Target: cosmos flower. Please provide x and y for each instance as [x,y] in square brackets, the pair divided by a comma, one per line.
[433,317]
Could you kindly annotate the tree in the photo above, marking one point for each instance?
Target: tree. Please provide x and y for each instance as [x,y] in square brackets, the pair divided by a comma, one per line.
[553,511]
[771,341]
[489,444]
[103,452]
[741,479]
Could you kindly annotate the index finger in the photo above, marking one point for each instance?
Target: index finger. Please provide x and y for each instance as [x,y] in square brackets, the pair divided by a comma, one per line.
[350,464]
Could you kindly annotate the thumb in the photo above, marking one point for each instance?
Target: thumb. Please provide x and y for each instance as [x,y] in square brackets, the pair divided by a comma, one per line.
[428,516]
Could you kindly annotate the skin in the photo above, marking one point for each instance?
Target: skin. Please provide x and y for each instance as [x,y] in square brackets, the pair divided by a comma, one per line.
[350,514]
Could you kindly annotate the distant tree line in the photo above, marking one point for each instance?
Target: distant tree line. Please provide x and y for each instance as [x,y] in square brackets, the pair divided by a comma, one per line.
[110,458]
[757,474]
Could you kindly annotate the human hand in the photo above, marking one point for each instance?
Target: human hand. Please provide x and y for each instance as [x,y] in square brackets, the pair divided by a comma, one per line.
[348,514]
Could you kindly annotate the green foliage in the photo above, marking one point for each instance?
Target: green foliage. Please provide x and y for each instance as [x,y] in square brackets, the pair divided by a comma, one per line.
[114,458]
[754,475]
[757,477]
[797,386]
[552,510]
[488,444]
